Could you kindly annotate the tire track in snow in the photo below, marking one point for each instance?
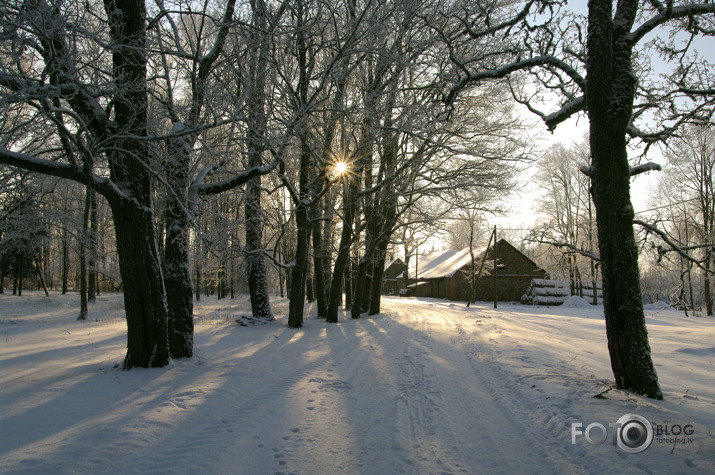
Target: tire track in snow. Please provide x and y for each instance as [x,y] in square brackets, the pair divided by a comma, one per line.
[421,442]
[494,428]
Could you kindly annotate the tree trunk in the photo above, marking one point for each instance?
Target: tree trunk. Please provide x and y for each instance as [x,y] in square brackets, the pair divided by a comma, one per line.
[318,265]
[83,311]
[139,261]
[309,291]
[144,299]
[300,261]
[706,283]
[198,279]
[176,262]
[610,93]
[20,272]
[255,261]
[343,258]
[65,260]
[361,284]
[92,252]
[348,282]
[378,271]
[299,269]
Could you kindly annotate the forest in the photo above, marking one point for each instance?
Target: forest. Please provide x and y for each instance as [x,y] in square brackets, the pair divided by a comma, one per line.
[176,149]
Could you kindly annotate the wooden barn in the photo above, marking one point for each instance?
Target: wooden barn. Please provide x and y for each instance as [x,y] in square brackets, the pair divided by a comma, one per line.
[451,278]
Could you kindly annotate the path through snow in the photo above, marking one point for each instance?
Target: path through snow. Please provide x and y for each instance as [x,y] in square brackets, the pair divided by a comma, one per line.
[426,387]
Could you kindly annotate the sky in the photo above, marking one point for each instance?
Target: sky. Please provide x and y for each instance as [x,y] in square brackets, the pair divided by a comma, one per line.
[522,213]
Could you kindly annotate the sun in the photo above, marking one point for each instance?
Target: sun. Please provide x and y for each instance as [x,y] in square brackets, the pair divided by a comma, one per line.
[341,168]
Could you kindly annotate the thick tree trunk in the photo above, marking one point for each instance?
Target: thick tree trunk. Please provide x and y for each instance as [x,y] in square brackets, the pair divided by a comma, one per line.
[139,263]
[255,261]
[176,262]
[343,258]
[610,93]
[144,299]
[179,290]
[299,269]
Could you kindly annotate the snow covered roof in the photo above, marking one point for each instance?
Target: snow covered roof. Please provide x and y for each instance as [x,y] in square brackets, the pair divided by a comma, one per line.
[449,267]
[389,263]
[425,263]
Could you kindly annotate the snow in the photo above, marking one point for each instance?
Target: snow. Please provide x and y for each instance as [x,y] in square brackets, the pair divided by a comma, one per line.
[448,267]
[575,301]
[428,386]
[425,263]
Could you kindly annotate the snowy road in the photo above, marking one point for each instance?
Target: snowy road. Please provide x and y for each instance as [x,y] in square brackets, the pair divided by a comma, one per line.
[427,387]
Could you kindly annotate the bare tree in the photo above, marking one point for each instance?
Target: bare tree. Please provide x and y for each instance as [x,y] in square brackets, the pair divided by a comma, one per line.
[115,129]
[566,203]
[692,158]
[680,226]
[602,80]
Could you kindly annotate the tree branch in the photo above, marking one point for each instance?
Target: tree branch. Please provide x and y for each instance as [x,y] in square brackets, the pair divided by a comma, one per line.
[682,251]
[502,72]
[667,14]
[646,167]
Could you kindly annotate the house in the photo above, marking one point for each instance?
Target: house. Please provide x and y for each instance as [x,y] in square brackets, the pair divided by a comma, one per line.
[393,278]
[451,278]
[420,265]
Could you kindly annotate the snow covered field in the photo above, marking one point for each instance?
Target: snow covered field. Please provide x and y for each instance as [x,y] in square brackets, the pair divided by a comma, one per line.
[426,387]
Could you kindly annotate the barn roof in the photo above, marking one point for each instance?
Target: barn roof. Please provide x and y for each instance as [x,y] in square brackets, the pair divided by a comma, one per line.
[425,263]
[394,261]
[445,264]
[449,267]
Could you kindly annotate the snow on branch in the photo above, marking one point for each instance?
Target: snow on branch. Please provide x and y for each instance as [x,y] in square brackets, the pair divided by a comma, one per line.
[646,167]
[637,170]
[565,245]
[670,13]
[504,71]
[234,181]
[697,92]
[61,170]
[569,109]
[586,170]
[673,246]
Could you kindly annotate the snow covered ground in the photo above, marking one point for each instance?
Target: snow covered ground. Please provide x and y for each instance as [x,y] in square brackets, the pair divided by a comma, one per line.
[426,387]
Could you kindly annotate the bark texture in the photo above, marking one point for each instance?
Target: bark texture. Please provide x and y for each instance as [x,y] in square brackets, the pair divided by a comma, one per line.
[610,93]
